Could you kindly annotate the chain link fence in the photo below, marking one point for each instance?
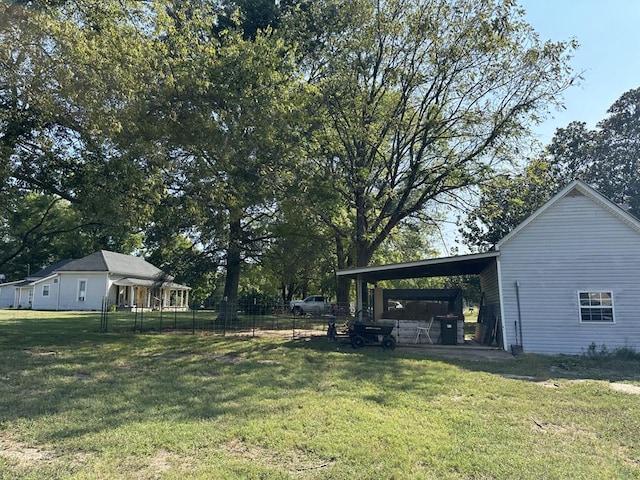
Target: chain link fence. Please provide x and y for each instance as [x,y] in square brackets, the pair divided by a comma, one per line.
[221,317]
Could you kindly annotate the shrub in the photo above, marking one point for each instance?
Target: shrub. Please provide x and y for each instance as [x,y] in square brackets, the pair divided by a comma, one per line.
[622,353]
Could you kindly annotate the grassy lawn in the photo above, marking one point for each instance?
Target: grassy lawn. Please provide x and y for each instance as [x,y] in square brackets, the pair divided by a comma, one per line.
[75,403]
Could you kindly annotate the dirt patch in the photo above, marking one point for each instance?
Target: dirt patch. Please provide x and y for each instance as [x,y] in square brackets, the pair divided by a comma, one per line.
[22,454]
[625,388]
[459,352]
[297,463]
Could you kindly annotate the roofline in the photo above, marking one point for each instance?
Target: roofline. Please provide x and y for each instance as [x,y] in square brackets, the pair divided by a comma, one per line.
[419,263]
[587,191]
[32,281]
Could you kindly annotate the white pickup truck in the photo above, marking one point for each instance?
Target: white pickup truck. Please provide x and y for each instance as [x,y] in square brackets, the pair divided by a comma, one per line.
[313,305]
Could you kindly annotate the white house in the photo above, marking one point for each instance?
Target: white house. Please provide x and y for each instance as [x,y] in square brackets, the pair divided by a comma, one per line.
[87,283]
[566,278]
[569,276]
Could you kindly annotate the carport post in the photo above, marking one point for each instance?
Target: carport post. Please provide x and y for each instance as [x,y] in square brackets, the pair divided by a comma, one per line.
[359,297]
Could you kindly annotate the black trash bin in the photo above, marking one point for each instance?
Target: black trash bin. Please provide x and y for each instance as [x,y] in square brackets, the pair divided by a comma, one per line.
[449,330]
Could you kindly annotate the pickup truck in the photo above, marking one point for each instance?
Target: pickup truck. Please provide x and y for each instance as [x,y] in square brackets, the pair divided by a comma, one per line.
[313,305]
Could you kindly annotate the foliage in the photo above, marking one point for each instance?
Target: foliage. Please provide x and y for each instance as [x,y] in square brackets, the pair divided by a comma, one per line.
[212,127]
[225,101]
[38,231]
[418,99]
[606,158]
[505,202]
[65,103]
[596,352]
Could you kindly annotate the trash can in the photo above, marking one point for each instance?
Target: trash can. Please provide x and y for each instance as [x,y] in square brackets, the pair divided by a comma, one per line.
[449,330]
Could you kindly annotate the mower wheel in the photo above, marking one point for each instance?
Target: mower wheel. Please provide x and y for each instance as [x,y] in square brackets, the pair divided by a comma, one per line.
[357,341]
[388,343]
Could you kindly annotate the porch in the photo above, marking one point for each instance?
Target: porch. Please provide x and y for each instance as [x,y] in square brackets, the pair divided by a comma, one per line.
[129,294]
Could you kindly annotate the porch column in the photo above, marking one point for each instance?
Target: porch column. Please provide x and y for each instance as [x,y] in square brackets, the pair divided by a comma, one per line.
[186,303]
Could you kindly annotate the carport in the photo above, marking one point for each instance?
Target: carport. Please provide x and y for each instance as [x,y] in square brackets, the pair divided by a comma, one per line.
[482,264]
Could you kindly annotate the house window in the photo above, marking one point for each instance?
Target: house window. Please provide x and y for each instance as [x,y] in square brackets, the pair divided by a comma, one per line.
[45,290]
[82,290]
[596,307]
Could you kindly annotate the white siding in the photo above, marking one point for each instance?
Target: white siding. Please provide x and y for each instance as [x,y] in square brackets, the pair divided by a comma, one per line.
[40,302]
[7,294]
[576,245]
[96,290]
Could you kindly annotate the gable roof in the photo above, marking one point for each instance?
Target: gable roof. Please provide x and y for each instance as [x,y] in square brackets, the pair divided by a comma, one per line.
[576,187]
[45,272]
[112,262]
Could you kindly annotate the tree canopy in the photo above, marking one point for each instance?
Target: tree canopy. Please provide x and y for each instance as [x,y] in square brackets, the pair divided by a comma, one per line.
[299,136]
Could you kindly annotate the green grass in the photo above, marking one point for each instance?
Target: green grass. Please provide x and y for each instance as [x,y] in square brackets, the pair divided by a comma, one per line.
[75,403]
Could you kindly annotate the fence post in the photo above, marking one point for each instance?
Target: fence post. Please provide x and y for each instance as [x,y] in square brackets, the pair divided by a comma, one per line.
[254,316]
[224,316]
[104,315]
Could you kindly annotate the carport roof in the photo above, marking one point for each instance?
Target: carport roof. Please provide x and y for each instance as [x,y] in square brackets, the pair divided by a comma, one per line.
[471,264]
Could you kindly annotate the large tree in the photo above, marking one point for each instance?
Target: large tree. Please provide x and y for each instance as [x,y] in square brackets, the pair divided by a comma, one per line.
[505,202]
[226,104]
[66,129]
[419,100]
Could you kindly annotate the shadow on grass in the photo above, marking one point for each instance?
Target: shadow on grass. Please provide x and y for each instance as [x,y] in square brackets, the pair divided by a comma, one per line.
[529,367]
[91,383]
[62,368]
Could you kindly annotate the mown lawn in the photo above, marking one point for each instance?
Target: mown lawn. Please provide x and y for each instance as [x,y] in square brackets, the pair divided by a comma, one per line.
[75,403]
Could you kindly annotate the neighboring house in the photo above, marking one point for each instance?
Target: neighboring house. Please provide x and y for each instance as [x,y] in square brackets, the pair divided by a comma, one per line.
[88,283]
[566,278]
[8,294]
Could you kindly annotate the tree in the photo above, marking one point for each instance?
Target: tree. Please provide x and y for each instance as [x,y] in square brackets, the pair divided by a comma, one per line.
[607,158]
[419,101]
[37,231]
[225,102]
[507,201]
[619,167]
[66,100]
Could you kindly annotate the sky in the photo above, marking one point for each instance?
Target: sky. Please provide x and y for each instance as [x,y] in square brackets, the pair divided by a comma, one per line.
[608,56]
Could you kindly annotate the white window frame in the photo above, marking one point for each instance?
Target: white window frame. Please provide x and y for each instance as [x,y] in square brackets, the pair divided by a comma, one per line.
[595,296]
[82,294]
[46,290]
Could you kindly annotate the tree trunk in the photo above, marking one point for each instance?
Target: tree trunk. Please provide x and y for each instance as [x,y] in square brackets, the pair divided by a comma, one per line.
[364,249]
[229,307]
[343,285]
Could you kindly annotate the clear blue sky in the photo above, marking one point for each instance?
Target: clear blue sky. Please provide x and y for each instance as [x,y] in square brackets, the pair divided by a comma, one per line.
[609,54]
